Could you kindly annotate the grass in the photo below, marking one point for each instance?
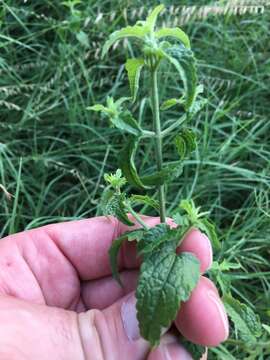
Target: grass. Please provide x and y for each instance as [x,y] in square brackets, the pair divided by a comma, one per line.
[53,152]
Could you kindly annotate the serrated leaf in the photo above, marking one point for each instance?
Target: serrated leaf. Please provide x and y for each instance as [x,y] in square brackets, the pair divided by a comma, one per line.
[167,104]
[133,67]
[195,350]
[184,62]
[127,164]
[176,33]
[167,174]
[245,320]
[209,228]
[185,142]
[126,122]
[144,200]
[152,17]
[115,206]
[100,108]
[165,280]
[115,248]
[156,237]
[135,31]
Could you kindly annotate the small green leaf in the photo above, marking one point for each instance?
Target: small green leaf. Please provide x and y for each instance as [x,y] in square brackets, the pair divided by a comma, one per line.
[133,67]
[209,228]
[126,163]
[115,180]
[135,31]
[114,205]
[176,33]
[156,236]
[184,62]
[115,248]
[245,320]
[185,142]
[167,104]
[144,200]
[195,350]
[152,17]
[167,174]
[165,280]
[100,108]
[126,122]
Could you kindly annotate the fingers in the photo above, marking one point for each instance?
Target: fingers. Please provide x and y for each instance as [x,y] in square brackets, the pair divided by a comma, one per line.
[105,291]
[202,319]
[86,244]
[113,333]
[198,244]
[171,349]
[31,331]
[99,294]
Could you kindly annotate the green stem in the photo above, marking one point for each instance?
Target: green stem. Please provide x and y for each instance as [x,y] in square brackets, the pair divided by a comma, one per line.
[155,109]
[136,216]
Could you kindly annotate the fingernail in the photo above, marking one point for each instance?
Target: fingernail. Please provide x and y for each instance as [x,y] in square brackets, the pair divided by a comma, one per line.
[175,351]
[210,252]
[129,318]
[221,310]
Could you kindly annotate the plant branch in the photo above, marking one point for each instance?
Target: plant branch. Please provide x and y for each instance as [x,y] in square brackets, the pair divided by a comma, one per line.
[156,118]
[136,216]
[175,125]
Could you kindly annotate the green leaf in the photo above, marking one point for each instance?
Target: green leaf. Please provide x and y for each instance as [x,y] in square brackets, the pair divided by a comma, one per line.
[185,142]
[165,280]
[113,204]
[135,31]
[126,163]
[206,226]
[113,255]
[126,122]
[115,180]
[245,320]
[144,200]
[115,248]
[167,174]
[176,33]
[184,62]
[133,67]
[195,350]
[152,17]
[100,108]
[167,104]
[157,236]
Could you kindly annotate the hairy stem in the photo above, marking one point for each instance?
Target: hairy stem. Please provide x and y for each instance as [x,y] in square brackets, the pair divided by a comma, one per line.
[156,118]
[136,216]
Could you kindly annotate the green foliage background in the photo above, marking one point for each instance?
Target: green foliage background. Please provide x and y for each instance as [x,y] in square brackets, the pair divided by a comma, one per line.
[53,152]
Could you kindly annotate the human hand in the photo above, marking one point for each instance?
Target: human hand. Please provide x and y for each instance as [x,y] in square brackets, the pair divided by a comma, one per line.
[59,301]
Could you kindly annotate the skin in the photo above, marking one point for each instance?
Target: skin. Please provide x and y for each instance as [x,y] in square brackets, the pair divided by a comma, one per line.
[59,301]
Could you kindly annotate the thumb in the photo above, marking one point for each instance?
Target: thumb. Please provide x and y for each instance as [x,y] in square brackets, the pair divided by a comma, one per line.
[113,333]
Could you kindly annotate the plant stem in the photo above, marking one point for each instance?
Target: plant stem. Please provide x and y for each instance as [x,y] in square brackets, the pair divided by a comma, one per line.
[136,216]
[155,109]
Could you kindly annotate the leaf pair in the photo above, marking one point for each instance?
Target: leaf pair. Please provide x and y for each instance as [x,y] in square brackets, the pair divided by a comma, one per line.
[185,142]
[122,119]
[127,165]
[145,30]
[194,218]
